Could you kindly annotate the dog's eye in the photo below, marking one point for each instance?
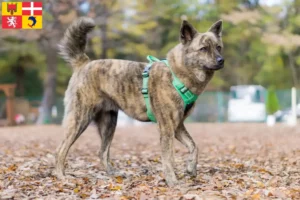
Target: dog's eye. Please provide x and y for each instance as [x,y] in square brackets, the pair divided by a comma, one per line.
[219,48]
[204,49]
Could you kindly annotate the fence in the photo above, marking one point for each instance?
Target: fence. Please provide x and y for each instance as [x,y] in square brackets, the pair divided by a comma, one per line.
[211,106]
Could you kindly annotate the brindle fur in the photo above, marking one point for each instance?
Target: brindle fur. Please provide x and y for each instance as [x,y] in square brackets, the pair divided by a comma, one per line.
[99,88]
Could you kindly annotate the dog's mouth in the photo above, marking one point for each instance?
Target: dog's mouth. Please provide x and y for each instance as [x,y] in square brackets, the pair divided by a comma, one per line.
[214,67]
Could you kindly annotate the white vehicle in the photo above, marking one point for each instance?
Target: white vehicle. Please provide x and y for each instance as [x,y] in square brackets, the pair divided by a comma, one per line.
[247,104]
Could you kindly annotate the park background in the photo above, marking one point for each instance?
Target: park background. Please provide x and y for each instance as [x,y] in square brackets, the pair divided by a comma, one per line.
[261,40]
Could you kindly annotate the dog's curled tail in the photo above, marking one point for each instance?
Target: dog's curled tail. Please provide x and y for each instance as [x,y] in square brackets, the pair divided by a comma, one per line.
[72,46]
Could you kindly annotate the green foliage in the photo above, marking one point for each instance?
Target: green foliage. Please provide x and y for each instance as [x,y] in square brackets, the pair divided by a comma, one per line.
[28,57]
[272,104]
[260,42]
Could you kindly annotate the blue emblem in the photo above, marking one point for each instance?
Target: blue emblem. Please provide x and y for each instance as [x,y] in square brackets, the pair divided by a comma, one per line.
[33,19]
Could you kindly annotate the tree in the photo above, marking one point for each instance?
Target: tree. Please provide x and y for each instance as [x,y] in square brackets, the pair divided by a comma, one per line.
[57,15]
[272,102]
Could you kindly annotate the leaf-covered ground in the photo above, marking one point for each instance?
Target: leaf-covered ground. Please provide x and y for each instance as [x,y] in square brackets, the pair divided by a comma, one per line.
[236,161]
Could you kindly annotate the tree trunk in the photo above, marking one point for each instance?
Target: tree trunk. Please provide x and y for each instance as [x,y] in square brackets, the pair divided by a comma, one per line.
[49,87]
[103,28]
[19,72]
[293,69]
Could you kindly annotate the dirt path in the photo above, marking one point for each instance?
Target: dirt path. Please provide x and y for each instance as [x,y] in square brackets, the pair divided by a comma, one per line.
[236,161]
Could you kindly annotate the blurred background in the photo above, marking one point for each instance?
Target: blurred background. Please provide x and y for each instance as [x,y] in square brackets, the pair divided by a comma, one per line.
[261,48]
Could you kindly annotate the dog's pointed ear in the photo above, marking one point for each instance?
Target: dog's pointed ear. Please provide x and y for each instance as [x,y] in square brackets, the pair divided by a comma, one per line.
[187,32]
[216,28]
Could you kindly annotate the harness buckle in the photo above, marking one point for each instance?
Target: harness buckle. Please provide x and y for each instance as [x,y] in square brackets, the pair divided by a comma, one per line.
[183,90]
[145,74]
[144,91]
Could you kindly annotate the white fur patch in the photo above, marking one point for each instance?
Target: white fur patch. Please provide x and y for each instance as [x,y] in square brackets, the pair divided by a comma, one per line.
[201,76]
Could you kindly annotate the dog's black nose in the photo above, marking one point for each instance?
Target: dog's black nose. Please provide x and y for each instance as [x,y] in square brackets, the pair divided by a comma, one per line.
[220,60]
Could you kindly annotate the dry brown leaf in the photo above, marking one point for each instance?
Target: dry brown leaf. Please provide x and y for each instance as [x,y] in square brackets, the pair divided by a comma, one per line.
[162,189]
[262,170]
[255,196]
[76,190]
[83,195]
[114,187]
[260,184]
[248,192]
[232,148]
[126,197]
[238,165]
[273,181]
[12,167]
[86,180]
[156,159]
[119,179]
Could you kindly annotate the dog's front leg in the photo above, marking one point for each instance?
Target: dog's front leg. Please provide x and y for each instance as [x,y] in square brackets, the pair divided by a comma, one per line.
[166,141]
[184,137]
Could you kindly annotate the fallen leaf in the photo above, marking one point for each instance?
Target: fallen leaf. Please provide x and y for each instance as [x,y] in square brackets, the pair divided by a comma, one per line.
[83,195]
[114,187]
[126,197]
[119,179]
[255,196]
[162,189]
[260,184]
[76,190]
[262,170]
[12,167]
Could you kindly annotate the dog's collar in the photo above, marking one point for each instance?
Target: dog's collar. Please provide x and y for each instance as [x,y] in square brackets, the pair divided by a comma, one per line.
[187,96]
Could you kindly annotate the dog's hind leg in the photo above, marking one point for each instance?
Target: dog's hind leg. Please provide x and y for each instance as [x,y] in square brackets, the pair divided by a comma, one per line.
[106,122]
[184,137]
[76,120]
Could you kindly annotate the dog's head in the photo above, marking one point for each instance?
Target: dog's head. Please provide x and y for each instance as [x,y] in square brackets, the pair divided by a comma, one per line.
[202,50]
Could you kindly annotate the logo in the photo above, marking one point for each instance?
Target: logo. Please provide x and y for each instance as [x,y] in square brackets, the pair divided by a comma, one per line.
[32,8]
[12,22]
[22,15]
[11,8]
[32,18]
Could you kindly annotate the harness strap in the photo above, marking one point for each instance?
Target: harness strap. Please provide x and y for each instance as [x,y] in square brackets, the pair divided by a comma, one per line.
[145,92]
[187,96]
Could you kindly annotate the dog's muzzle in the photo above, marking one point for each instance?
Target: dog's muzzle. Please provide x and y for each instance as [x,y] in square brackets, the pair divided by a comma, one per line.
[220,63]
[215,67]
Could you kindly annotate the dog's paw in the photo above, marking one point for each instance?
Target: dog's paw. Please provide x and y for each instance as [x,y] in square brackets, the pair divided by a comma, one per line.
[111,172]
[192,173]
[117,174]
[191,170]
[58,174]
[172,182]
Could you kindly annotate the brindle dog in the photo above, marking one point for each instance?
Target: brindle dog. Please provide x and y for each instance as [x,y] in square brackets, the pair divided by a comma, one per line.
[99,88]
